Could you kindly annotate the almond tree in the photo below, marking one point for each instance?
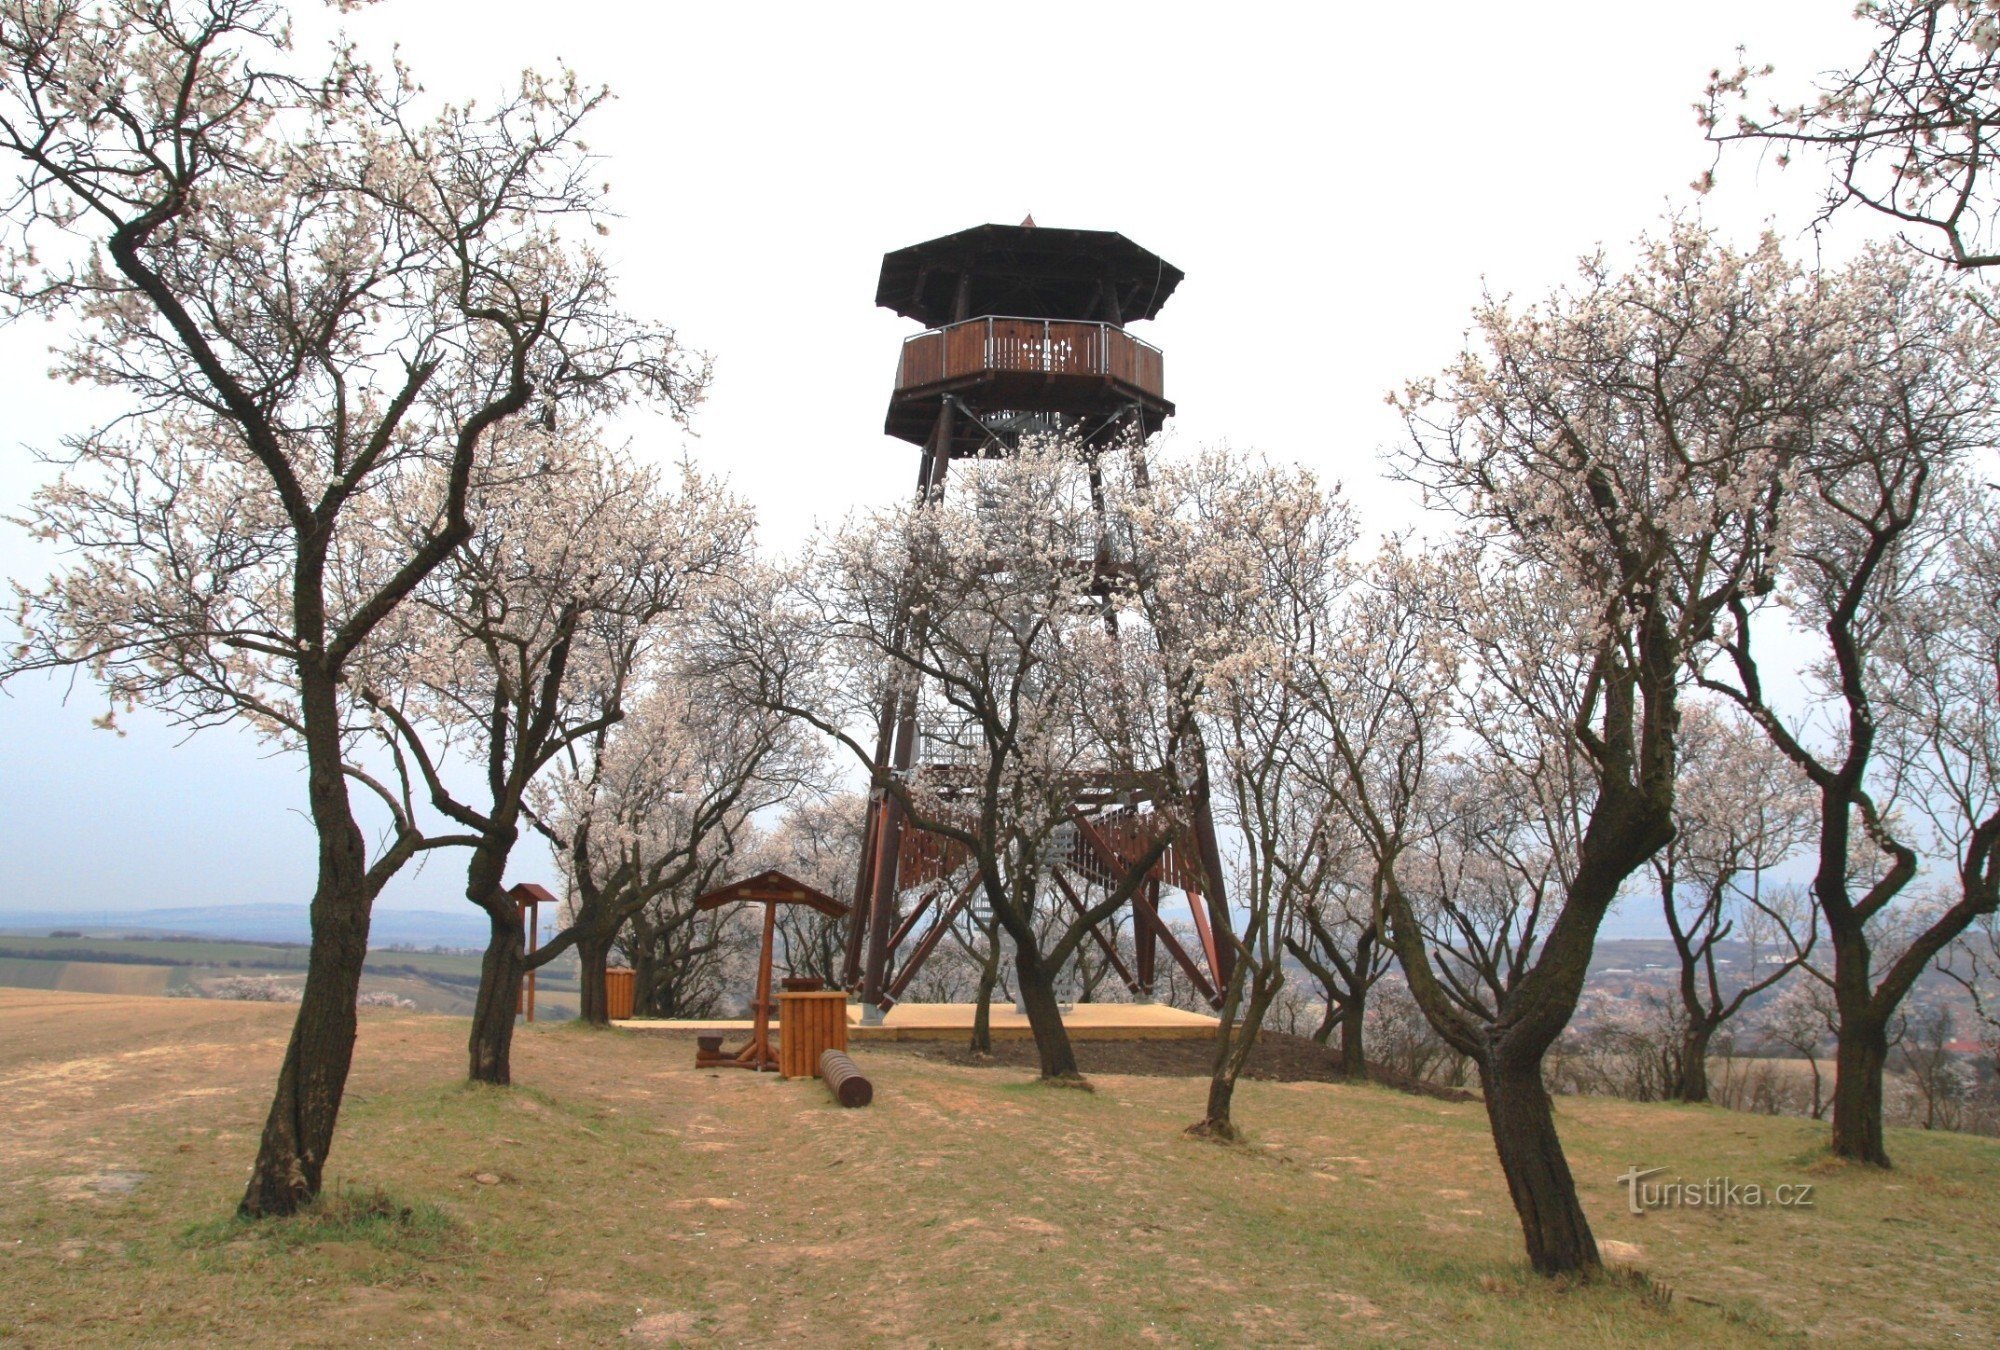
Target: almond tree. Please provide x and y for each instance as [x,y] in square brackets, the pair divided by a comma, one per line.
[1886,574]
[658,805]
[526,641]
[685,960]
[1617,453]
[1336,938]
[1741,809]
[1029,662]
[303,286]
[1910,132]
[1274,547]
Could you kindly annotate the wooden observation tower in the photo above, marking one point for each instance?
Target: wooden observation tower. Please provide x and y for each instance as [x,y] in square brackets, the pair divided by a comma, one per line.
[1024,337]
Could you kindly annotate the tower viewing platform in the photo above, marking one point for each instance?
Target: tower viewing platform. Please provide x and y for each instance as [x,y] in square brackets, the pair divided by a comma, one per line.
[1030,364]
[1025,328]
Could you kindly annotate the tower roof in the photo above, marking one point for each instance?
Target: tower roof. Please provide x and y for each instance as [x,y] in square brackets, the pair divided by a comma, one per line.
[1027,271]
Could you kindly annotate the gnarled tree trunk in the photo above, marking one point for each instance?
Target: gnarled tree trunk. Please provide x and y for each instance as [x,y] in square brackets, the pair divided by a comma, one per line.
[593,954]
[989,979]
[1859,1059]
[1693,1084]
[298,1133]
[1538,1177]
[491,1044]
[1038,999]
[489,1047]
[1353,1051]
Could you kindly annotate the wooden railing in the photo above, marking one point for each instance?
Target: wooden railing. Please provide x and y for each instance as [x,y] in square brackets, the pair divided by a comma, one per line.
[1042,346]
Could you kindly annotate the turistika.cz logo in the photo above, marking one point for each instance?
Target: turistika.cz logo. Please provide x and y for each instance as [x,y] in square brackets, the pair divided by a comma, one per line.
[1709,1193]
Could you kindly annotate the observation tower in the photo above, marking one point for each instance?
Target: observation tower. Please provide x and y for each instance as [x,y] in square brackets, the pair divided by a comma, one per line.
[1024,336]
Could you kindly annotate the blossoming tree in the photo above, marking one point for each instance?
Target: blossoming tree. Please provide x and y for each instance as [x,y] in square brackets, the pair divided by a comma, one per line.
[304,280]
[527,640]
[1618,453]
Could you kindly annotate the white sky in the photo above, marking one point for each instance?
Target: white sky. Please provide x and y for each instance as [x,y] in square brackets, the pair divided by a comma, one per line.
[1338,183]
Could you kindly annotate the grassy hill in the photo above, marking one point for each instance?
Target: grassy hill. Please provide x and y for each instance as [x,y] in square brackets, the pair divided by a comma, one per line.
[620,1191]
[443,982]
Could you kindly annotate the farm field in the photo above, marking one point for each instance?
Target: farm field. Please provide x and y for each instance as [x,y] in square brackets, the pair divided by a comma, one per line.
[442,982]
[618,1191]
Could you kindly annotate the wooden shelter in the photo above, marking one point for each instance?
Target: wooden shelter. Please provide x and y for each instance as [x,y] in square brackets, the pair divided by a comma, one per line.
[769,889]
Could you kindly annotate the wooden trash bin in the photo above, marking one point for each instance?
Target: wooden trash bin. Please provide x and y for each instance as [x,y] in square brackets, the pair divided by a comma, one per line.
[809,1024]
[618,989]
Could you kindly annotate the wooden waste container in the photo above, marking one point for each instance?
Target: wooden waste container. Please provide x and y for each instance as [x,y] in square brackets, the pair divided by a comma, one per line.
[808,1026]
[618,994]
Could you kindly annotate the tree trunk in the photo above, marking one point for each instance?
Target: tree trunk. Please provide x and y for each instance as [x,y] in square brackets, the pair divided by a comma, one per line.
[989,976]
[643,948]
[298,1133]
[593,956]
[1859,1058]
[1693,1086]
[492,1042]
[1558,1235]
[1216,1122]
[1353,1051]
[1038,999]
[1323,1033]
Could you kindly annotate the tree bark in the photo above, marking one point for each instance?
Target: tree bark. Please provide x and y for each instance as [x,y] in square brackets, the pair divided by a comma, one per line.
[1323,1033]
[489,1047]
[593,956]
[1216,1122]
[492,1042]
[1859,1058]
[1353,1053]
[989,977]
[1558,1235]
[1693,1085]
[1038,999]
[298,1133]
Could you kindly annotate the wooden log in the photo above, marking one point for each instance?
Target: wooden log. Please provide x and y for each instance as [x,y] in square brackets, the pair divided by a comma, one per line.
[844,1079]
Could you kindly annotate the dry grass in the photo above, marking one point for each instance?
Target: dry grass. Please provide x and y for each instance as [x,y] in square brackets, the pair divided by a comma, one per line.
[620,1191]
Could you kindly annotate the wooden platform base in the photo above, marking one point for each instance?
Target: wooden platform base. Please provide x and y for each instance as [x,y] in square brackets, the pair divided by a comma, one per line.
[953,1021]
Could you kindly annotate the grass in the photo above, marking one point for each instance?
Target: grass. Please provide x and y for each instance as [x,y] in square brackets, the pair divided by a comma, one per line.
[619,1191]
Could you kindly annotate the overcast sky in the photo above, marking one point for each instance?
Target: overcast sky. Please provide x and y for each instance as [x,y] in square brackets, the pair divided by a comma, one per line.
[1337,182]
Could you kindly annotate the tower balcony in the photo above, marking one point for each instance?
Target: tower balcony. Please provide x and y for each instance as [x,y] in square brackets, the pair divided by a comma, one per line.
[996,363]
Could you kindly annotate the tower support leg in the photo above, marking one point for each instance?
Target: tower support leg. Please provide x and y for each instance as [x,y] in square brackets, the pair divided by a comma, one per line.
[1146,944]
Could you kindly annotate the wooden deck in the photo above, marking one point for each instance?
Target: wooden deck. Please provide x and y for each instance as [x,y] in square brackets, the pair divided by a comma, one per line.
[953,1021]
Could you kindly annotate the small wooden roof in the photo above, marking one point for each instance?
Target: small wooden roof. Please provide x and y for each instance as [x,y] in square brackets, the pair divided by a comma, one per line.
[772,887]
[528,893]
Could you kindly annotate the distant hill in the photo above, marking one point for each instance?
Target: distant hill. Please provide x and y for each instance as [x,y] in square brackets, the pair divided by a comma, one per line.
[256,923]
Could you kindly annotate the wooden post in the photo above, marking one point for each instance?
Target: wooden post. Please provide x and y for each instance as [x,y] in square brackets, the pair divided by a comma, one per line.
[1221,955]
[761,1046]
[1145,940]
[534,931]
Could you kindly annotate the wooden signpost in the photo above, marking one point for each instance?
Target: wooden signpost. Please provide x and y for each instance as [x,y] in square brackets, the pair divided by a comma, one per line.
[530,897]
